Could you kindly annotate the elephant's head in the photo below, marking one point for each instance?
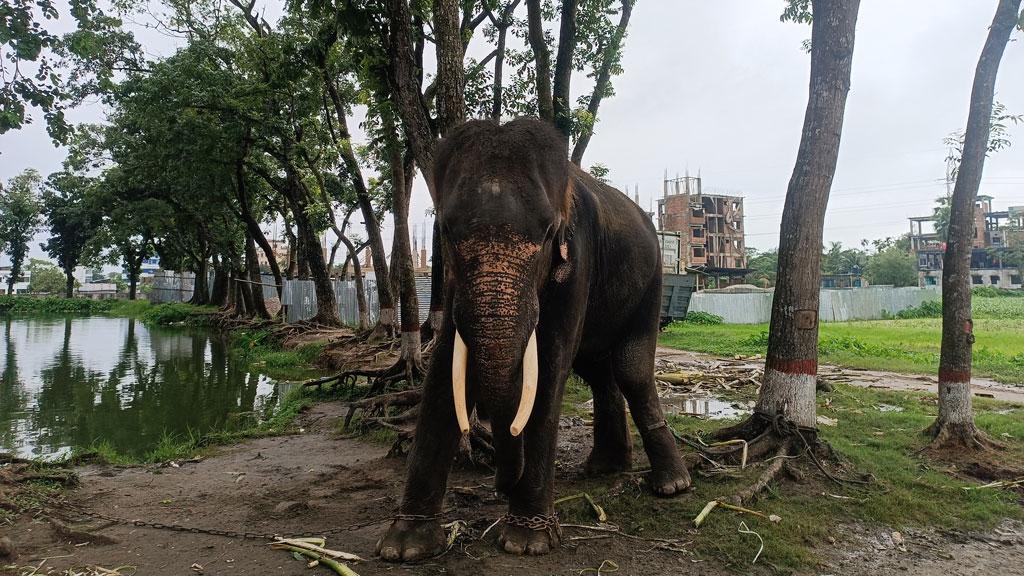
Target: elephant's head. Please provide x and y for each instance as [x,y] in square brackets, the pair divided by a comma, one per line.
[503,195]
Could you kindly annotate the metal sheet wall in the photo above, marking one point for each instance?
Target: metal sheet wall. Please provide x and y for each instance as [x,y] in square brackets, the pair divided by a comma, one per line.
[873,303]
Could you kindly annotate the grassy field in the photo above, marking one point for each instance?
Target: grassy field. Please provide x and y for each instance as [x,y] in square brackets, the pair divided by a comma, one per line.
[910,345]
[909,489]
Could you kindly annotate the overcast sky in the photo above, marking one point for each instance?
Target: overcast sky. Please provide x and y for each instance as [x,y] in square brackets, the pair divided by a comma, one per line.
[720,87]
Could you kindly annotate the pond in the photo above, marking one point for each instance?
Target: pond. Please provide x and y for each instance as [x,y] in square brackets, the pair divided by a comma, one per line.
[71,383]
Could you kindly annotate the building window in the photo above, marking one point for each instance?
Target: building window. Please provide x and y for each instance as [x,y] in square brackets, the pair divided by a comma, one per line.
[994,279]
[976,278]
[929,280]
[698,251]
[1014,278]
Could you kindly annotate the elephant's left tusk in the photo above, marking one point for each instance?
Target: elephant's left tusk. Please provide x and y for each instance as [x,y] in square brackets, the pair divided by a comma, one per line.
[460,357]
[529,392]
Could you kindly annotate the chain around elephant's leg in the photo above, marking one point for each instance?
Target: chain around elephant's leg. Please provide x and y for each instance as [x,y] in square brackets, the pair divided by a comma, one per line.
[416,532]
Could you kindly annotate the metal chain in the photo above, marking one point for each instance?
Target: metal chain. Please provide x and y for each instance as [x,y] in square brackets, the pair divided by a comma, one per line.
[548,524]
[214,531]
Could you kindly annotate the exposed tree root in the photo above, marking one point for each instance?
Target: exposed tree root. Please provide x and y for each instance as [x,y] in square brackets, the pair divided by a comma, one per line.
[958,438]
[768,476]
[377,406]
[761,439]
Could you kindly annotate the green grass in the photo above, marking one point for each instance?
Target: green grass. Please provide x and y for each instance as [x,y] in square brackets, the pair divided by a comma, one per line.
[260,350]
[910,346]
[909,490]
[177,314]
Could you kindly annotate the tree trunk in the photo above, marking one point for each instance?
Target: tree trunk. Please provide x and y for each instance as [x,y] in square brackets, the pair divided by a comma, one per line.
[451,78]
[404,80]
[402,263]
[254,227]
[69,283]
[259,305]
[610,56]
[309,251]
[357,272]
[133,281]
[542,60]
[955,422]
[380,264]
[229,302]
[302,251]
[561,99]
[201,286]
[219,294]
[293,252]
[792,362]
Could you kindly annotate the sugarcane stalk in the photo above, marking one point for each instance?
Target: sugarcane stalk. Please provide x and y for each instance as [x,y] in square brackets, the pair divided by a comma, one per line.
[304,543]
[338,567]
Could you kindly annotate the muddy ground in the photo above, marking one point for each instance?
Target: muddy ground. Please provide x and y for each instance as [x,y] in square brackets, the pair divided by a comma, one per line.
[318,480]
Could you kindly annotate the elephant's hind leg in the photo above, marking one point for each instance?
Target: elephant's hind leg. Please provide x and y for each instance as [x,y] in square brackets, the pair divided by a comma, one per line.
[633,364]
[613,449]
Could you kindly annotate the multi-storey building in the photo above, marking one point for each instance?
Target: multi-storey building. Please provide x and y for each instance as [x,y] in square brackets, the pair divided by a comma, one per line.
[995,231]
[710,228]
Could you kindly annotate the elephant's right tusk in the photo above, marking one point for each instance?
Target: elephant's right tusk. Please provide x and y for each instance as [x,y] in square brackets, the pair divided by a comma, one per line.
[460,357]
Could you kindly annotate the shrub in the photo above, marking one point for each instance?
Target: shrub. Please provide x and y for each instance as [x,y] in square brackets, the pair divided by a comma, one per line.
[760,339]
[176,313]
[52,305]
[929,309]
[993,292]
[704,318]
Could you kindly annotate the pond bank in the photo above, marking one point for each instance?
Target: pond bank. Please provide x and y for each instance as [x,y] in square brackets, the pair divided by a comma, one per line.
[136,383]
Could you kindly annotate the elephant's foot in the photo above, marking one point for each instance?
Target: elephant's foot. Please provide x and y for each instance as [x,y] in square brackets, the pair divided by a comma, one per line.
[669,481]
[601,462]
[411,541]
[533,536]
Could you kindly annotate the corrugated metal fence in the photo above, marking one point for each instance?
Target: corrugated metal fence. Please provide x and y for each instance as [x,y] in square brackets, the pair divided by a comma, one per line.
[873,303]
[171,286]
[299,299]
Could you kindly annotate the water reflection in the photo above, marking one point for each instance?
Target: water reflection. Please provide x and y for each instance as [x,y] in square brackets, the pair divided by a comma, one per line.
[72,382]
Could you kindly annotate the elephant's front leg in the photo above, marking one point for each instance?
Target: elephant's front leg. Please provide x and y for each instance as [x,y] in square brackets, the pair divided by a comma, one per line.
[416,533]
[531,526]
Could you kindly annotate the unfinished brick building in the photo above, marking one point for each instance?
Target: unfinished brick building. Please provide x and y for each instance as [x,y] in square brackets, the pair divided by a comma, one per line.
[710,227]
[995,232]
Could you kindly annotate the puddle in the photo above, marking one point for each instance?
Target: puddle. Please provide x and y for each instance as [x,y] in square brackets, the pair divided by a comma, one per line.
[707,407]
[888,408]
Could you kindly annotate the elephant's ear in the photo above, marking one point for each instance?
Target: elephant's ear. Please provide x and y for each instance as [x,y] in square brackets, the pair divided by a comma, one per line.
[563,238]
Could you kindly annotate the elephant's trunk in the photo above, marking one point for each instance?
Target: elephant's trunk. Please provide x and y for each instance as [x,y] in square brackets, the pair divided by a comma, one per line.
[494,359]
[528,388]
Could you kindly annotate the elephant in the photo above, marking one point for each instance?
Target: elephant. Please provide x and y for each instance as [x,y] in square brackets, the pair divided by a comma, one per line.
[548,271]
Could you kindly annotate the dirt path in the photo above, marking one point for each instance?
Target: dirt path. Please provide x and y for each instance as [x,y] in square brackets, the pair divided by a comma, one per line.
[864,378]
[317,481]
